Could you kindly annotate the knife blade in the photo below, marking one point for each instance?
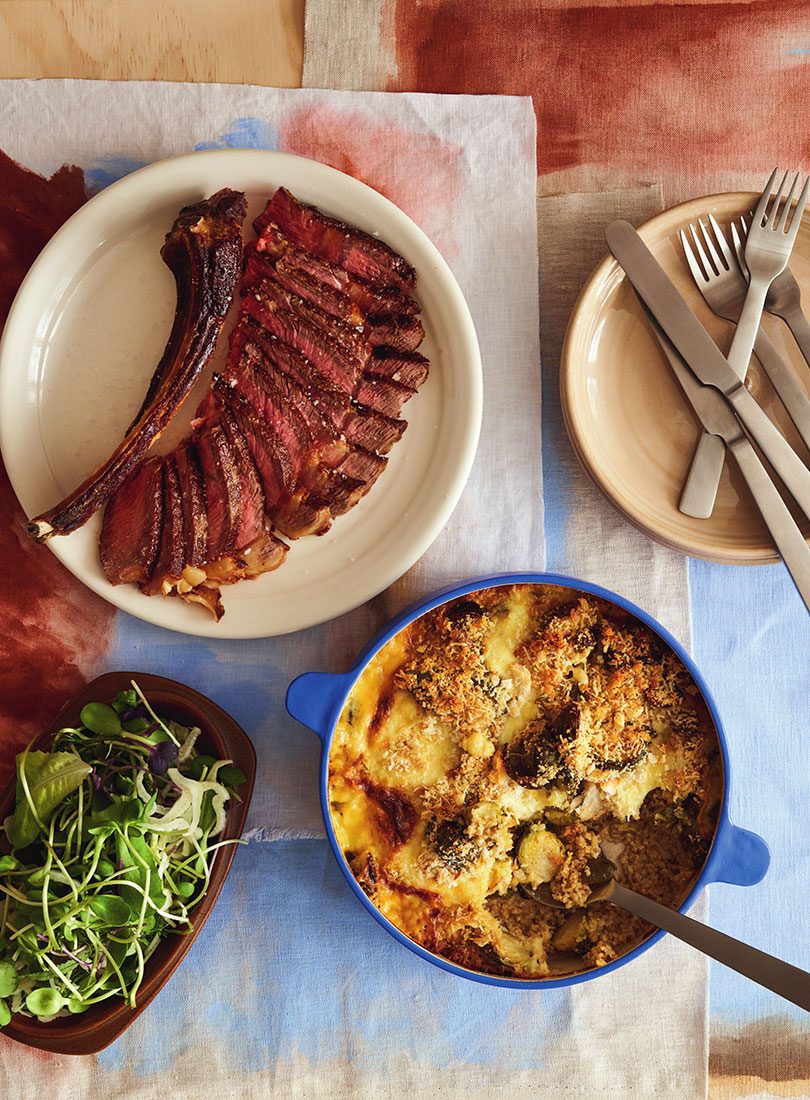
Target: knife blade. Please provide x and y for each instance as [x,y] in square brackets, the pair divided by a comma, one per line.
[703,357]
[718,419]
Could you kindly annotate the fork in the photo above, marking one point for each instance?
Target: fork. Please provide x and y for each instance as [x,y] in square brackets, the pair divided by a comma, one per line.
[767,251]
[784,297]
[722,283]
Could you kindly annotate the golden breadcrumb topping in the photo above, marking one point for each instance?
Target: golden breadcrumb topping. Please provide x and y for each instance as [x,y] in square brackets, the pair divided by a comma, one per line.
[497,754]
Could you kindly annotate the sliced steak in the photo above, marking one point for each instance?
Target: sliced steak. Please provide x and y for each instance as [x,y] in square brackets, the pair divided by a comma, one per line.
[409,369]
[332,301]
[274,407]
[268,452]
[371,429]
[171,559]
[359,253]
[358,423]
[400,332]
[382,396]
[252,498]
[192,495]
[223,501]
[371,299]
[130,531]
[318,346]
[351,341]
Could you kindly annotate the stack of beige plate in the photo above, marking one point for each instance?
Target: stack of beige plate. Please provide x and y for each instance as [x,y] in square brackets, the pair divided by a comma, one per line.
[629,422]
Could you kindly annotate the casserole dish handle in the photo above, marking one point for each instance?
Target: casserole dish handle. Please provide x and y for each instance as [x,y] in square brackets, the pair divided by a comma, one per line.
[739,857]
[315,699]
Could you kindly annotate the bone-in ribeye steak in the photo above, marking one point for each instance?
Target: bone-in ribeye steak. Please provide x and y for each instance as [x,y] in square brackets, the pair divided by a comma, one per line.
[295,430]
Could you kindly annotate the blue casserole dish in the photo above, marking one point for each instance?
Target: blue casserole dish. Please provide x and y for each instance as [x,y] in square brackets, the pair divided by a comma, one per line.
[316,700]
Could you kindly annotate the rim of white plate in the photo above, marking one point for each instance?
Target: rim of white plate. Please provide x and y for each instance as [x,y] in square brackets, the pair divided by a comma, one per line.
[45,290]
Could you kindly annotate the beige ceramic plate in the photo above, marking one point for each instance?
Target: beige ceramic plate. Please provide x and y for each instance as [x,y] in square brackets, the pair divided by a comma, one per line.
[90,321]
[628,420]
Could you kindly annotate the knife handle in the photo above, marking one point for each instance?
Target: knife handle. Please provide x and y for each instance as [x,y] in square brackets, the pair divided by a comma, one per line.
[774,446]
[788,538]
[798,325]
[700,490]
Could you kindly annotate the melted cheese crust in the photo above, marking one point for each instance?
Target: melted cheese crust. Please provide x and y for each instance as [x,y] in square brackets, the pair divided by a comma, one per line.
[525,708]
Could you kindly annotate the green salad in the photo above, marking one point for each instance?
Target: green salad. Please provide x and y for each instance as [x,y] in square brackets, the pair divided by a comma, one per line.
[112,840]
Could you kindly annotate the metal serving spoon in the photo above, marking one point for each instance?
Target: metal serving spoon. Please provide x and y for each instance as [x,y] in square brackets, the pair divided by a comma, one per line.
[788,981]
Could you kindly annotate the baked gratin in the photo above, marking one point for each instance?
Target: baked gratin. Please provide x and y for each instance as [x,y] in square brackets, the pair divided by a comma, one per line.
[491,747]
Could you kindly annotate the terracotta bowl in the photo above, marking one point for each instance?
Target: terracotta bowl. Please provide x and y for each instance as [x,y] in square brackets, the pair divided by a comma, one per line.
[92,1031]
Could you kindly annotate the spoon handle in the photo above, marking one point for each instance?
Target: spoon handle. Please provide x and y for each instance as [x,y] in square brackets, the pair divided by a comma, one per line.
[788,981]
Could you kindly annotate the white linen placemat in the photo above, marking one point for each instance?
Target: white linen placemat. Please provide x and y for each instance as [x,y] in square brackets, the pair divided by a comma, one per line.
[464,169]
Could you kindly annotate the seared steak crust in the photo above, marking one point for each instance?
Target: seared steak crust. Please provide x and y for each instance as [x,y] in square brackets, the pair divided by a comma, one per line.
[203,252]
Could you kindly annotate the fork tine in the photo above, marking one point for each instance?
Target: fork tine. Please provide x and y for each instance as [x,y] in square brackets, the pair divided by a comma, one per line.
[739,238]
[707,265]
[691,259]
[712,250]
[770,222]
[801,202]
[722,243]
[762,205]
[780,227]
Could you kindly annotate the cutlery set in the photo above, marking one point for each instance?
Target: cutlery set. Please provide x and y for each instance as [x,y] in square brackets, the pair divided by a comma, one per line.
[738,284]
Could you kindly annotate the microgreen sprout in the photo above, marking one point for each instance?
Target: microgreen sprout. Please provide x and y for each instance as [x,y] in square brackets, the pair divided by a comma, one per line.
[112,842]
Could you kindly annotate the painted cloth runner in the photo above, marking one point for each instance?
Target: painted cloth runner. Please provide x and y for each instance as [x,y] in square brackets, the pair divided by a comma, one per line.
[291,988]
[640,104]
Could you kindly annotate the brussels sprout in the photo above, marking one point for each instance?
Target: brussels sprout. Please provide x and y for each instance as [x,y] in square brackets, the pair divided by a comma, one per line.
[463,609]
[450,842]
[533,757]
[540,854]
[572,935]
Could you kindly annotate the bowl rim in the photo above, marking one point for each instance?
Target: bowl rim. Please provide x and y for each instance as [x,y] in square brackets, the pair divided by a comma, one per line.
[92,1031]
[724,832]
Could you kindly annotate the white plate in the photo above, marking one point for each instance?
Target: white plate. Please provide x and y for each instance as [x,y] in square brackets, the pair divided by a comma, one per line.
[90,322]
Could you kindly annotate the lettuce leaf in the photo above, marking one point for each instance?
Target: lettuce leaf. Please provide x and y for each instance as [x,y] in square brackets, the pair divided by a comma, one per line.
[51,777]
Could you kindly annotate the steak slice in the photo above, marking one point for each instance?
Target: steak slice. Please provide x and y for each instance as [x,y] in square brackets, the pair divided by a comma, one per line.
[327,445]
[169,566]
[371,429]
[266,449]
[252,498]
[359,253]
[357,423]
[289,426]
[300,283]
[203,250]
[130,531]
[353,344]
[399,331]
[318,346]
[372,299]
[192,496]
[409,369]
[383,396]
[223,500]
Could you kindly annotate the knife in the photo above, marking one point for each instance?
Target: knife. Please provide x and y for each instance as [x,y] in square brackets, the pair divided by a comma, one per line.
[718,419]
[702,355]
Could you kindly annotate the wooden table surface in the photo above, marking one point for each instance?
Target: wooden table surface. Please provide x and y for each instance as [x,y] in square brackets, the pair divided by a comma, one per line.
[232,41]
